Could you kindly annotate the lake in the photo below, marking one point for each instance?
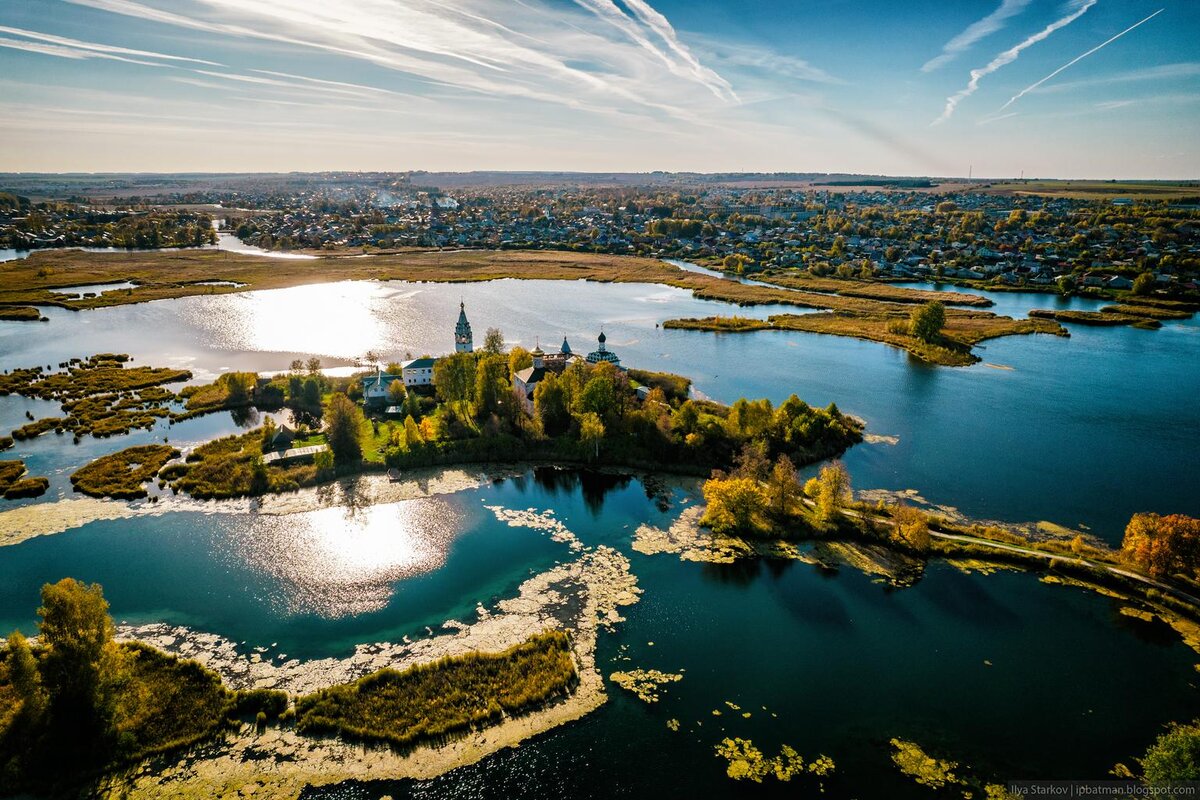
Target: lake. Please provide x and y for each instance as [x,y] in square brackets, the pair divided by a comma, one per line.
[1013,677]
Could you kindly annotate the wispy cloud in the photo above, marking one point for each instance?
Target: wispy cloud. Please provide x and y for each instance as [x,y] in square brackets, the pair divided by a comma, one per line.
[976,31]
[997,118]
[94,49]
[1161,72]
[541,52]
[1078,9]
[1076,60]
[741,55]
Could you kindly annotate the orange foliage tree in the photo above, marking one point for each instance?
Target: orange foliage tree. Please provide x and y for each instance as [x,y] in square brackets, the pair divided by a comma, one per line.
[1163,545]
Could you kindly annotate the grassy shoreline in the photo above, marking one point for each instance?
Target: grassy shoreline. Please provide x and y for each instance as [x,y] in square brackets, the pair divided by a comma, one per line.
[961,333]
[162,275]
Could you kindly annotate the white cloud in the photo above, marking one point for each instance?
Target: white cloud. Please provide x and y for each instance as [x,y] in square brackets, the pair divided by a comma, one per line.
[1076,60]
[1078,9]
[541,53]
[59,45]
[976,31]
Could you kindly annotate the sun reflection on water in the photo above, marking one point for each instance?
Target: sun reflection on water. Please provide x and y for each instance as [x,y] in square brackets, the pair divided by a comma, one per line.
[338,562]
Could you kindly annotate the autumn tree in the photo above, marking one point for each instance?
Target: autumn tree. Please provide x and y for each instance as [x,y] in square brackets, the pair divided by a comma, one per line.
[25,679]
[734,505]
[344,422]
[1163,545]
[926,321]
[1143,284]
[833,490]
[783,485]
[396,392]
[911,527]
[518,359]
[591,432]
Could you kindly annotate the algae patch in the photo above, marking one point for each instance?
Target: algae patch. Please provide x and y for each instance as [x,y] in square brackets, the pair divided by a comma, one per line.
[646,684]
[923,768]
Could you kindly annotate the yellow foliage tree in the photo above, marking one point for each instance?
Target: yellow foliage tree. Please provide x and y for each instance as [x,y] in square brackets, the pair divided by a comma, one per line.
[735,505]
[1163,545]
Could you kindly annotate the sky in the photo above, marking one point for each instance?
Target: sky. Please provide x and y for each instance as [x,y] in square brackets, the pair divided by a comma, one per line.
[994,88]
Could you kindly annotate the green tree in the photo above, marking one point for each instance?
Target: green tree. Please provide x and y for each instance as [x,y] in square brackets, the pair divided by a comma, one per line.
[492,389]
[1174,756]
[323,461]
[24,677]
[412,433]
[313,365]
[344,422]
[1143,284]
[591,432]
[833,490]
[926,321]
[454,378]
[1066,284]
[518,359]
[550,405]
[312,393]
[493,341]
[396,392]
[77,645]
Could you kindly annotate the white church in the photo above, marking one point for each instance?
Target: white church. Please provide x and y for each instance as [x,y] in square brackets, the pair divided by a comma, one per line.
[419,371]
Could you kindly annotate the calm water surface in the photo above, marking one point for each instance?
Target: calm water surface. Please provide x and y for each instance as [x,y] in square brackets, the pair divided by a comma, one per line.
[1012,677]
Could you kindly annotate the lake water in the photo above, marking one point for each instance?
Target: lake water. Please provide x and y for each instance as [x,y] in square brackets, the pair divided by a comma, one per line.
[1009,675]
[225,241]
[1014,677]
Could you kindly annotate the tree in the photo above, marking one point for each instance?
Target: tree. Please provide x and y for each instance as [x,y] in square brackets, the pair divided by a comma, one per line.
[734,505]
[77,645]
[1174,756]
[24,677]
[344,421]
[312,393]
[912,527]
[550,406]
[323,461]
[454,377]
[396,392]
[493,341]
[1143,284]
[518,359]
[1163,545]
[599,395]
[313,365]
[491,385]
[784,485]
[833,490]
[412,433]
[591,431]
[1066,284]
[926,321]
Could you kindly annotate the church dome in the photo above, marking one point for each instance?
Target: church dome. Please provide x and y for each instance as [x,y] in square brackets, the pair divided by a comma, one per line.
[602,338]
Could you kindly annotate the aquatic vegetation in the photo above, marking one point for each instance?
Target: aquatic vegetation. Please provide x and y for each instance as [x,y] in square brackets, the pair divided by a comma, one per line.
[100,395]
[432,701]
[644,683]
[1103,318]
[14,484]
[963,329]
[20,313]
[123,475]
[923,768]
[747,762]
[232,466]
[673,724]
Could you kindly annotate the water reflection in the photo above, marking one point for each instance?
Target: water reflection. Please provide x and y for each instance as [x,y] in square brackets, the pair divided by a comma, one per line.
[593,486]
[339,562]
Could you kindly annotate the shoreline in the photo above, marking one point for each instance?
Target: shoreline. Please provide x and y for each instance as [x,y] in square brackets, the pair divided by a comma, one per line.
[582,596]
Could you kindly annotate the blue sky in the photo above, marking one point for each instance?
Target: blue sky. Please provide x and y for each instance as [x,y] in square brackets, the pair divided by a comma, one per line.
[914,87]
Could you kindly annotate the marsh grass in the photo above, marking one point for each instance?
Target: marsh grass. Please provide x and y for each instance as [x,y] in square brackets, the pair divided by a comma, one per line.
[123,475]
[13,485]
[432,702]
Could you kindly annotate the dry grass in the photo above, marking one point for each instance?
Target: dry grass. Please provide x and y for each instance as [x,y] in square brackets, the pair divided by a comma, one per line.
[960,334]
[871,290]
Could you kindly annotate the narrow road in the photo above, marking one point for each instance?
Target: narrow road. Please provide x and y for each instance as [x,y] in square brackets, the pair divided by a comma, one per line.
[1190,599]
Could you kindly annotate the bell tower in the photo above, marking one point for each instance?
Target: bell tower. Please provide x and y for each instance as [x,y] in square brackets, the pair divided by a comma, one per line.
[462,331]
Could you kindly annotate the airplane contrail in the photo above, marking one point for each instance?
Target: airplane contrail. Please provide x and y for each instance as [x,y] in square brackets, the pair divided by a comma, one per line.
[1076,60]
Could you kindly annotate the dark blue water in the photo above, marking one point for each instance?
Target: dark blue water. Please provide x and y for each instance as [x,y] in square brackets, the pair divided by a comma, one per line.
[1012,677]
